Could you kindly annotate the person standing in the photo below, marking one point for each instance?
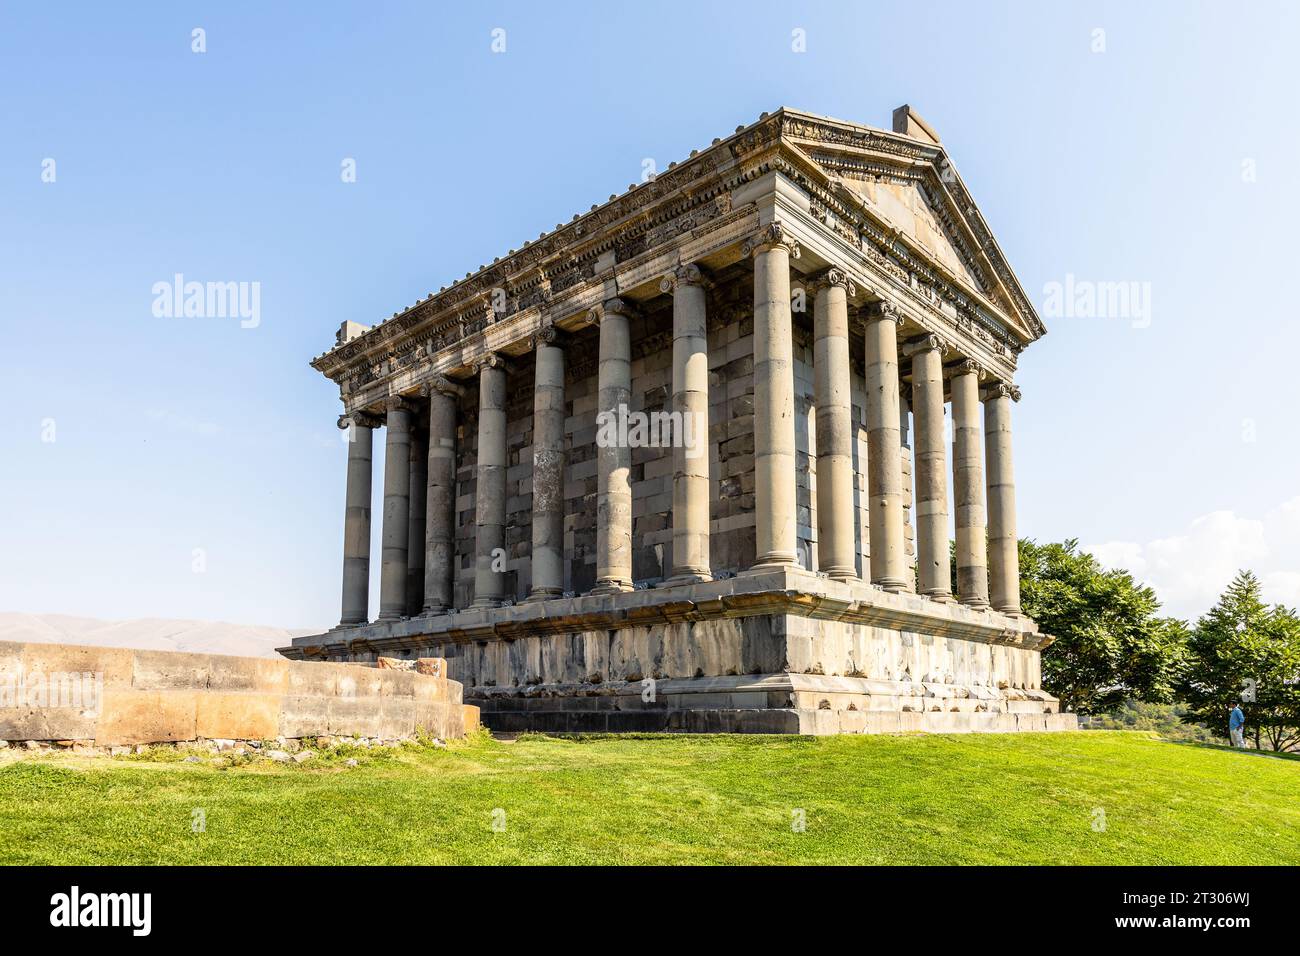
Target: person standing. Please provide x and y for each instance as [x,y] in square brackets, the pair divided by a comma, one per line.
[1236,721]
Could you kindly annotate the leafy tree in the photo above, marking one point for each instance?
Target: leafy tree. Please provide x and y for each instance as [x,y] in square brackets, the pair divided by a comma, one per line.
[1245,650]
[1110,645]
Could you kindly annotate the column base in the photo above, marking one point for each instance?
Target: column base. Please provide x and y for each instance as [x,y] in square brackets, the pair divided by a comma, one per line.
[685,577]
[611,587]
[839,573]
[976,605]
[435,610]
[391,616]
[943,597]
[543,594]
[891,584]
[487,602]
[774,561]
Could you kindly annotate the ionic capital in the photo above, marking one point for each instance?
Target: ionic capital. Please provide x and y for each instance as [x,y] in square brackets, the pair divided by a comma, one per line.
[884,309]
[686,274]
[360,419]
[925,343]
[491,360]
[967,366]
[398,403]
[770,236]
[833,277]
[547,335]
[441,385]
[615,306]
[1000,390]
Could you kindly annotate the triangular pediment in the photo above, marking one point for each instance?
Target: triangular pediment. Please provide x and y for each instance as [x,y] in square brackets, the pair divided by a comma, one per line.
[905,206]
[910,187]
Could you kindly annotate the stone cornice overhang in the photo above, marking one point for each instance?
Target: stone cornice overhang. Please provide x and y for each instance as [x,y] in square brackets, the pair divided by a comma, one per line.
[555,274]
[795,593]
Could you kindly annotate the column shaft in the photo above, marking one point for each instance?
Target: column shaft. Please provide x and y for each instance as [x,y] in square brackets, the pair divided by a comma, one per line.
[884,449]
[1004,558]
[397,506]
[356,521]
[415,536]
[548,467]
[968,488]
[836,546]
[774,471]
[490,492]
[440,520]
[690,401]
[930,461]
[613,457]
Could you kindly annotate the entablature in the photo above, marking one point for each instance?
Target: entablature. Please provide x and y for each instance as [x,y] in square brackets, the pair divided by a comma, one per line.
[700,211]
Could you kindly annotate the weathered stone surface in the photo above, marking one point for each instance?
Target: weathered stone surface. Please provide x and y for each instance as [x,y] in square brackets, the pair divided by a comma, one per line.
[234,715]
[788,642]
[432,666]
[154,696]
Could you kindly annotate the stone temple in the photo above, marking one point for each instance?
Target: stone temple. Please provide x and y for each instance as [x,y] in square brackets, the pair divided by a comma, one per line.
[685,462]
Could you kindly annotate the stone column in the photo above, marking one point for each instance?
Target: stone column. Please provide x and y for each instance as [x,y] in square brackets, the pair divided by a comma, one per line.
[440,520]
[415,535]
[774,477]
[548,466]
[884,448]
[690,401]
[906,476]
[1004,557]
[836,546]
[613,457]
[397,508]
[356,518]
[490,492]
[931,467]
[968,487]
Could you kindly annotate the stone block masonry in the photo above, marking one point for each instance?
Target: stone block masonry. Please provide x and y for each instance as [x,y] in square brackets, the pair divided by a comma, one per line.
[813,295]
[116,697]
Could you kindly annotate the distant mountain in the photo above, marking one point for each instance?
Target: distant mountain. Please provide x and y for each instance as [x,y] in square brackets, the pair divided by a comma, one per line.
[159,634]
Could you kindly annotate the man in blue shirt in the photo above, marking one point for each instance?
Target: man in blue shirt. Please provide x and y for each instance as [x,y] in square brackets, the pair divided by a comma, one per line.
[1236,720]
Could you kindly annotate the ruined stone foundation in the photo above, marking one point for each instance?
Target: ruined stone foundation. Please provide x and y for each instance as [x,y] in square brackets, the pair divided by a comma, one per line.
[112,696]
[781,651]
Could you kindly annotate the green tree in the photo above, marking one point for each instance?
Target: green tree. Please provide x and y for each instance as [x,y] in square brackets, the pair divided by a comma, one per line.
[1110,644]
[1246,650]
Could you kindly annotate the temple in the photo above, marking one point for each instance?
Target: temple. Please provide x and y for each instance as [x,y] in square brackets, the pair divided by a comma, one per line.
[686,463]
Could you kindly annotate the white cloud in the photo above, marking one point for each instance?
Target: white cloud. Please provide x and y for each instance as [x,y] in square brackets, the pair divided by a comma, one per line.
[1190,570]
[1283,587]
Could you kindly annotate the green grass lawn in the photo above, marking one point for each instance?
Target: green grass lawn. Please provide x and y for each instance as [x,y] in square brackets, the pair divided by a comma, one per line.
[1016,798]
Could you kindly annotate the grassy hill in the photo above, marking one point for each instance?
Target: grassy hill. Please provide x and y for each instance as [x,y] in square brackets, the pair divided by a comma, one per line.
[1028,798]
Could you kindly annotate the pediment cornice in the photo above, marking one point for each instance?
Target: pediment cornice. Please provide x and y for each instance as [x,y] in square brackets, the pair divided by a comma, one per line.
[846,150]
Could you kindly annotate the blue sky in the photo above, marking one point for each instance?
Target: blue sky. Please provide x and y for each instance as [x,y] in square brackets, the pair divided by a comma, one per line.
[1164,158]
